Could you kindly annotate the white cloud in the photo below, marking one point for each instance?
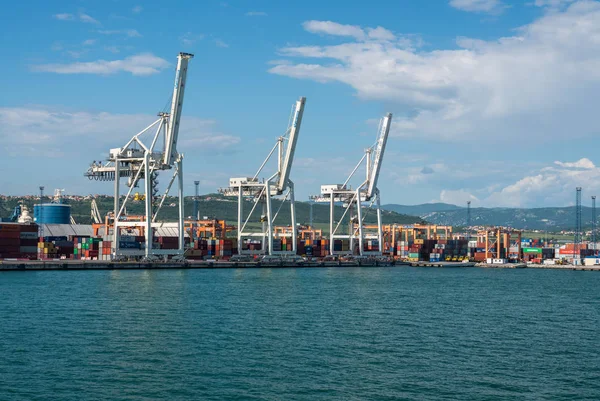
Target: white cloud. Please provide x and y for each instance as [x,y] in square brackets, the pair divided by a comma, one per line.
[553,4]
[112,49]
[132,33]
[584,163]
[42,128]
[220,43]
[137,9]
[139,64]
[87,19]
[89,42]
[354,31]
[82,17]
[483,6]
[457,197]
[256,14]
[541,83]
[64,16]
[544,187]
[380,33]
[333,28]
[75,53]
[189,38]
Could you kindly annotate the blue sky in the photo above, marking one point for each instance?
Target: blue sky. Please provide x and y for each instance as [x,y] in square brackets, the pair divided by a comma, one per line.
[494,101]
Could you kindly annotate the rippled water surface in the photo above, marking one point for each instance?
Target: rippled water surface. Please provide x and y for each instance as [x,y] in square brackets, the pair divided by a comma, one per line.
[300,334]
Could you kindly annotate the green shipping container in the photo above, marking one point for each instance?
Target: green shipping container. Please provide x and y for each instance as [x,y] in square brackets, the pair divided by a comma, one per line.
[532,250]
[413,255]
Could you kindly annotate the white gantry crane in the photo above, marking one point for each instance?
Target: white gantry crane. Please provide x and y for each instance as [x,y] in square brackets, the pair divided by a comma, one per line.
[352,199]
[139,161]
[278,186]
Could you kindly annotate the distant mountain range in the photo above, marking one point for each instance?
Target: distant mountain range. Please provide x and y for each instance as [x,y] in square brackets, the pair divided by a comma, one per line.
[547,218]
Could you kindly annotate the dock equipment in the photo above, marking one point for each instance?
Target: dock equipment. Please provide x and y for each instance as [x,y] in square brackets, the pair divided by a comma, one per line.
[500,243]
[352,199]
[261,191]
[137,161]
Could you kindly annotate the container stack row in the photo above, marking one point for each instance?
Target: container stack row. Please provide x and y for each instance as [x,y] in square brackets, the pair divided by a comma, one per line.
[433,250]
[74,247]
[211,248]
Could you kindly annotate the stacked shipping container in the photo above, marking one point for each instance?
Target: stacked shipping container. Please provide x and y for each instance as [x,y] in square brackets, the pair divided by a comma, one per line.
[18,241]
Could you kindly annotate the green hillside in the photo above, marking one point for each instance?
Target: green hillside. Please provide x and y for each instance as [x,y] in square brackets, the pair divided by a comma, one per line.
[212,206]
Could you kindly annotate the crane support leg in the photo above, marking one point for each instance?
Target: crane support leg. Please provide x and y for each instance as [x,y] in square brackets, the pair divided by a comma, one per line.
[360,223]
[269,218]
[379,227]
[331,217]
[116,234]
[240,214]
[181,199]
[351,232]
[293,215]
[148,202]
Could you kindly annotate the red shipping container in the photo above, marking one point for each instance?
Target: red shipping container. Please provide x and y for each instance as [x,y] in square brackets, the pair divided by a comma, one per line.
[10,234]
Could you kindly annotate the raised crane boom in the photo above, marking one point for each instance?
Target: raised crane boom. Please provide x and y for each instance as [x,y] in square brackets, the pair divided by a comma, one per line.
[95,213]
[379,150]
[176,106]
[284,174]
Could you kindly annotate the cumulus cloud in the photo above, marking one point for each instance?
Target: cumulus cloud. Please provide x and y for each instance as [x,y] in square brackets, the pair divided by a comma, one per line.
[584,163]
[140,64]
[542,82]
[484,6]
[39,128]
[548,186]
[457,197]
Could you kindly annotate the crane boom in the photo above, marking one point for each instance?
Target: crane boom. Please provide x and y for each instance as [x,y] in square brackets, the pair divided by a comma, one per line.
[176,106]
[379,150]
[95,213]
[284,174]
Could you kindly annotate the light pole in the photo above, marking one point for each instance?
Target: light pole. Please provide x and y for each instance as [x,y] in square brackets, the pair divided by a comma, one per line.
[41,219]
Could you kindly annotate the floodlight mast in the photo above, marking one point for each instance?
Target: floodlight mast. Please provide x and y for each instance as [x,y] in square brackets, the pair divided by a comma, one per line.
[352,200]
[278,185]
[135,161]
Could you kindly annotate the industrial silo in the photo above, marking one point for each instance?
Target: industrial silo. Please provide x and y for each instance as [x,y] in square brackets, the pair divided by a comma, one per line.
[52,213]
